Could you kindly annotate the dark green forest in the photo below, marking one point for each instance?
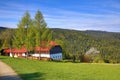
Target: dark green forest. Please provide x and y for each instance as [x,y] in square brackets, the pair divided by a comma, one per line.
[104,46]
[98,46]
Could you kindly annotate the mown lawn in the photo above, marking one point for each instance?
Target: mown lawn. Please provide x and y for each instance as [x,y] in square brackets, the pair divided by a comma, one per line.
[43,70]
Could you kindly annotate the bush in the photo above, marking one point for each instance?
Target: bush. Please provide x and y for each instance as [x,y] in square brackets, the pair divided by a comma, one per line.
[98,60]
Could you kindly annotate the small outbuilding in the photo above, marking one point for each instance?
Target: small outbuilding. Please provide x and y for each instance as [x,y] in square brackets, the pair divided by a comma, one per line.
[14,52]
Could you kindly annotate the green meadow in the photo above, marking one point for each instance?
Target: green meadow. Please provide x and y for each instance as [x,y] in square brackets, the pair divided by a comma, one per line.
[44,70]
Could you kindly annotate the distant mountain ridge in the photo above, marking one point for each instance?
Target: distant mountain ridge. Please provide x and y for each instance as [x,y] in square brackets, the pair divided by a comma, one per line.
[3,27]
[92,33]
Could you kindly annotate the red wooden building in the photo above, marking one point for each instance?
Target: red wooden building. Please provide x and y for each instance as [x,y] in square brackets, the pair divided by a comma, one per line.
[52,50]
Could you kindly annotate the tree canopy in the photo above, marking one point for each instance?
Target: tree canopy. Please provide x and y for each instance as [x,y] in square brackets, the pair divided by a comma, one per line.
[31,32]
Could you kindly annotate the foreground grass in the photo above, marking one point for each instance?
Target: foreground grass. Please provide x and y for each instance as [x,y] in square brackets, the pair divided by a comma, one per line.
[42,70]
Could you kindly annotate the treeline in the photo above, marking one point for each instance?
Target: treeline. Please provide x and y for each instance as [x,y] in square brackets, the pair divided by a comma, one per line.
[77,44]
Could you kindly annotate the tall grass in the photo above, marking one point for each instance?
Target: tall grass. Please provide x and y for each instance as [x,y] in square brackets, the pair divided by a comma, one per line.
[43,70]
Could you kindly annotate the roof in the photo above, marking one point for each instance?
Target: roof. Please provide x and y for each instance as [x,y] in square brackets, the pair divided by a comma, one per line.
[53,43]
[15,50]
[44,48]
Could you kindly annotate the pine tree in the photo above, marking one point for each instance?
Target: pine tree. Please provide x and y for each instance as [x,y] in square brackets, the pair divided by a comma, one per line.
[30,38]
[40,25]
[42,32]
[21,32]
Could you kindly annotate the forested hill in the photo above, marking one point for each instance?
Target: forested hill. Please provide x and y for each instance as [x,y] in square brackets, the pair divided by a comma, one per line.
[2,28]
[76,43]
[91,33]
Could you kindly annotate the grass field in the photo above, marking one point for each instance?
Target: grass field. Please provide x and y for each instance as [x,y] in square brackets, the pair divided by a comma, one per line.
[43,70]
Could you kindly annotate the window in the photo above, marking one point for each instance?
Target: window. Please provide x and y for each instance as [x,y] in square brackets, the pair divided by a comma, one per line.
[59,56]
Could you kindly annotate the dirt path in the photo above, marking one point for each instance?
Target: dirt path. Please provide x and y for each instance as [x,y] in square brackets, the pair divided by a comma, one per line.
[7,73]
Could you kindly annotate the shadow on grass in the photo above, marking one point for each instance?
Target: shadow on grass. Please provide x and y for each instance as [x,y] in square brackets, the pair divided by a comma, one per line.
[10,77]
[33,76]
[30,76]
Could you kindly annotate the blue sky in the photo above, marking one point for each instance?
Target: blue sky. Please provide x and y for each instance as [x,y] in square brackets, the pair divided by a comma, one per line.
[68,14]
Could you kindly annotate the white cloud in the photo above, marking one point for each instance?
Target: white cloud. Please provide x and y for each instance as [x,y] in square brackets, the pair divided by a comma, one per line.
[83,21]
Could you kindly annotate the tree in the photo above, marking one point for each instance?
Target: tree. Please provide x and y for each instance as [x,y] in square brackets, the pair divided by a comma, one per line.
[21,37]
[30,38]
[42,32]
[40,25]
[6,37]
[46,35]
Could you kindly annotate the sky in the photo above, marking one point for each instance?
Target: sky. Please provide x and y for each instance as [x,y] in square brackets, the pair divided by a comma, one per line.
[101,15]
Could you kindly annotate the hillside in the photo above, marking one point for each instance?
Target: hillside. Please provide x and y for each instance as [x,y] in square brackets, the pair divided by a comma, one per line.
[2,28]
[76,43]
[92,33]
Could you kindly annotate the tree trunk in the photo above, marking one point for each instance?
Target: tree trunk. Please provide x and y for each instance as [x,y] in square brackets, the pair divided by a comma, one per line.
[39,55]
[73,58]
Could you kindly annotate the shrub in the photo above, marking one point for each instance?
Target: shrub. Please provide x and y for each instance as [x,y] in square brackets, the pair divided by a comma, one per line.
[98,60]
